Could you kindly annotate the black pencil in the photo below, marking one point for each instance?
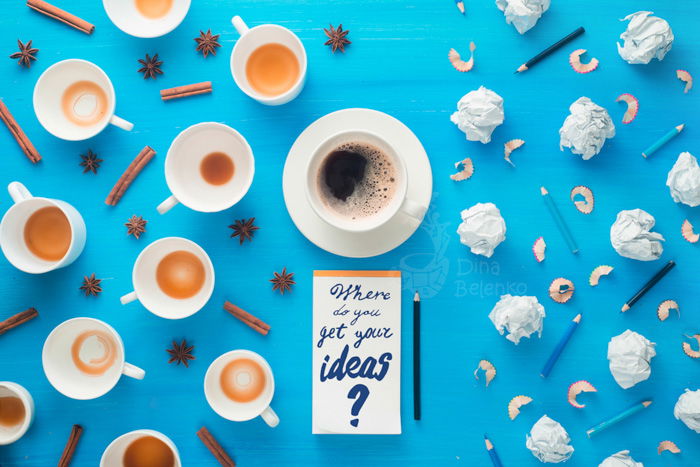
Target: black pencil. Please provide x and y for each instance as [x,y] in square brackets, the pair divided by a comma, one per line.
[416,356]
[646,287]
[549,50]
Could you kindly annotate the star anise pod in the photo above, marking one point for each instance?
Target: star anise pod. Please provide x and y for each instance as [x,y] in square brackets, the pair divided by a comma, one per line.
[91,286]
[336,38]
[26,53]
[90,162]
[151,66]
[181,353]
[243,229]
[135,226]
[283,281]
[207,43]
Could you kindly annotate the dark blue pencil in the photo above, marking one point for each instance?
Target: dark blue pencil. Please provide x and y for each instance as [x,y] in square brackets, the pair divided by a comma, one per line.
[492,453]
[560,346]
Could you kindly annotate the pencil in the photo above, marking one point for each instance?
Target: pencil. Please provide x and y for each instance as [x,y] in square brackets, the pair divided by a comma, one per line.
[416,356]
[551,49]
[672,133]
[650,283]
[560,346]
[638,407]
[492,452]
[563,228]
[460,6]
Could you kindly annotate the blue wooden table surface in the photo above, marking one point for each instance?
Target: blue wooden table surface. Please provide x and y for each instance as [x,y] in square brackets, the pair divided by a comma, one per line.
[397,63]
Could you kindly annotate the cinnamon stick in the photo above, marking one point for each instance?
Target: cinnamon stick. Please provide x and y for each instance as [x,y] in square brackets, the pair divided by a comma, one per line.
[185,91]
[215,448]
[72,443]
[131,172]
[255,323]
[24,143]
[16,320]
[63,16]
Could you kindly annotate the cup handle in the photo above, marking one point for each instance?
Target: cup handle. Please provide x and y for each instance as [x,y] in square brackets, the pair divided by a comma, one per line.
[270,417]
[128,298]
[18,192]
[240,26]
[121,123]
[413,209]
[132,371]
[167,205]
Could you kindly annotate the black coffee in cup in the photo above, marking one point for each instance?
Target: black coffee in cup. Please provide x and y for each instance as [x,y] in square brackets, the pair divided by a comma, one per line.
[357,180]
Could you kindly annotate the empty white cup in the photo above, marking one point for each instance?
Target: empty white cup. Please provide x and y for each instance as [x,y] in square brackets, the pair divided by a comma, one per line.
[48,96]
[12,231]
[250,40]
[126,16]
[64,375]
[147,291]
[182,168]
[114,454]
[10,434]
[240,411]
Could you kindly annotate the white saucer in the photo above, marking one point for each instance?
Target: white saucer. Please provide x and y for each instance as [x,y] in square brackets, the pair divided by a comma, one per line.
[364,244]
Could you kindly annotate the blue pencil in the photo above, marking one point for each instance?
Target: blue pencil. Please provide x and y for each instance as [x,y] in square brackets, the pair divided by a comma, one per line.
[663,140]
[560,346]
[563,228]
[638,407]
[492,453]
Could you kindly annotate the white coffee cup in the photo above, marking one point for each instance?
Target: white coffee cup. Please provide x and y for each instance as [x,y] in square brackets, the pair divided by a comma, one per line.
[127,17]
[240,411]
[48,95]
[64,375]
[12,231]
[250,40]
[10,434]
[114,454]
[147,291]
[399,202]
[182,168]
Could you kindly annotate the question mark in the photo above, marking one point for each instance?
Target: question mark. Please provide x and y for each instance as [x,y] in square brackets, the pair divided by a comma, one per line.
[360,392]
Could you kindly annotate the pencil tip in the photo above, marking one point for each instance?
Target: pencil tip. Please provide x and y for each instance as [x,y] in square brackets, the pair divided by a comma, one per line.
[416,297]
[543,190]
[625,307]
[646,403]
[644,155]
[680,127]
[578,318]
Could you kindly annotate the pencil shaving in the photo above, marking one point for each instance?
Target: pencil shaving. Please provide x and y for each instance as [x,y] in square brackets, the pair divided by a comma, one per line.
[686,78]
[586,205]
[466,172]
[511,146]
[515,404]
[632,107]
[577,388]
[561,290]
[669,446]
[538,249]
[665,307]
[598,272]
[688,232]
[458,63]
[578,66]
[489,371]
[688,350]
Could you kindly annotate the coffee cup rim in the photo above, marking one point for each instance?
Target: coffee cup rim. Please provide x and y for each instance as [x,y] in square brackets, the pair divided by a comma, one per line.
[28,402]
[119,23]
[146,432]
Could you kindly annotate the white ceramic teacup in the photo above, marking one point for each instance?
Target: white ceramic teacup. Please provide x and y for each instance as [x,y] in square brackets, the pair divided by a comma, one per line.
[237,411]
[10,434]
[48,96]
[114,454]
[126,16]
[182,168]
[399,202]
[250,40]
[12,231]
[147,291]
[64,375]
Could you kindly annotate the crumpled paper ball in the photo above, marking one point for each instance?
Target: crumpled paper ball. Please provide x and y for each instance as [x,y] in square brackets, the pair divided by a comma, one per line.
[549,442]
[478,114]
[521,316]
[482,228]
[586,128]
[630,357]
[620,459]
[684,180]
[687,409]
[523,14]
[631,235]
[645,38]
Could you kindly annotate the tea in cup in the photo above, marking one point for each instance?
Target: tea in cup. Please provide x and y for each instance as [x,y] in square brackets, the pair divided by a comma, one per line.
[141,448]
[146,18]
[16,412]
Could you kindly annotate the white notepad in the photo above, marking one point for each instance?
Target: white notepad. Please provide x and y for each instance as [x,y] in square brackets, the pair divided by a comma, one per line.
[356,352]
